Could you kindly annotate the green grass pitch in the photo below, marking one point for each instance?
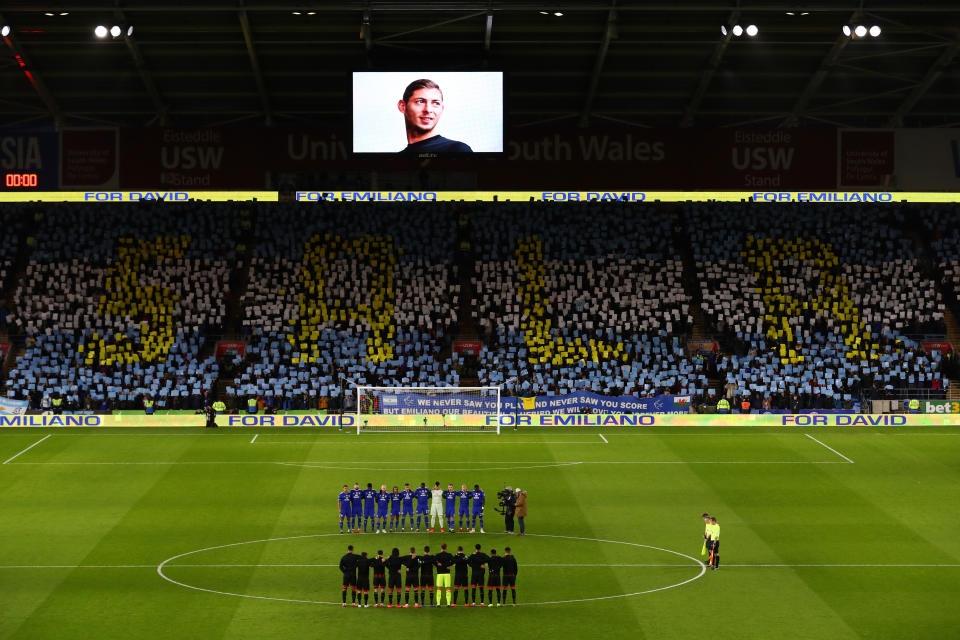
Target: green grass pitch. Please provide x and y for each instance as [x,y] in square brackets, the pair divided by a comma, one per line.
[813,545]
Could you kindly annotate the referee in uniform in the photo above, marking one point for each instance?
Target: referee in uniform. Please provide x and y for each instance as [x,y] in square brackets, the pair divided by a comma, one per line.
[714,544]
[348,566]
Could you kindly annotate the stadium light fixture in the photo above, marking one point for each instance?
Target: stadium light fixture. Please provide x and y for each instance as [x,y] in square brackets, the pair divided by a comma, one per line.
[100,31]
[861,30]
[752,30]
[737,30]
[723,29]
[4,31]
[115,31]
[130,31]
[559,14]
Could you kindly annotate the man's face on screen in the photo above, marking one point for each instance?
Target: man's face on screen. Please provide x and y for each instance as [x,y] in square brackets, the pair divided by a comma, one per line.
[423,110]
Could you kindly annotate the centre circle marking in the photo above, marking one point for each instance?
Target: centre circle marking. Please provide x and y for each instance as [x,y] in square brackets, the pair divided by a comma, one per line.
[696,563]
[341,466]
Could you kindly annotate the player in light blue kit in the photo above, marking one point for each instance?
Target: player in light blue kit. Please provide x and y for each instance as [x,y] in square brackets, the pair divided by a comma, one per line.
[479,499]
[383,506]
[356,507]
[464,496]
[396,499]
[369,506]
[450,505]
[344,501]
[423,505]
[407,507]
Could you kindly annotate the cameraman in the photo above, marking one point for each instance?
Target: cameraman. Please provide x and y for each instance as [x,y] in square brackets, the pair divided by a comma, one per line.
[508,501]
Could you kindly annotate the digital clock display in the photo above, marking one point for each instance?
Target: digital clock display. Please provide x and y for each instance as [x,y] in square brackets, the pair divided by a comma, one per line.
[21,180]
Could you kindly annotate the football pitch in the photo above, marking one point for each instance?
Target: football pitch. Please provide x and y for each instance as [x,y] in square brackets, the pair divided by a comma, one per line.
[185,533]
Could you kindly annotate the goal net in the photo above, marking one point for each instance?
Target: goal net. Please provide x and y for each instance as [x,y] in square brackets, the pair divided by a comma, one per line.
[428,409]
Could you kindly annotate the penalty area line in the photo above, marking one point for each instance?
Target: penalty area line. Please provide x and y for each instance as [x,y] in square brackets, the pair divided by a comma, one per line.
[14,456]
[254,438]
[830,448]
[602,438]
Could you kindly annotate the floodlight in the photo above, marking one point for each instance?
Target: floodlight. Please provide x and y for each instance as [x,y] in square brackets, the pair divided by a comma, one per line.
[860,31]
[5,31]
[559,14]
[723,29]
[100,31]
[115,31]
[846,31]
[875,31]
[737,30]
[130,31]
[752,30]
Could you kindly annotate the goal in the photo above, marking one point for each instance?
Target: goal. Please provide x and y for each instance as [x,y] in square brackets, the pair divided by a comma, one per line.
[428,409]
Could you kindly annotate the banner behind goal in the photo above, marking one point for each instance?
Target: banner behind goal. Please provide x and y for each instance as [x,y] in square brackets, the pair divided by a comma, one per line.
[428,409]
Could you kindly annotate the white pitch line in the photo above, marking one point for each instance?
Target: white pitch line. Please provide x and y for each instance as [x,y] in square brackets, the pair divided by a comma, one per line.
[338,465]
[525,565]
[28,448]
[254,438]
[602,438]
[831,448]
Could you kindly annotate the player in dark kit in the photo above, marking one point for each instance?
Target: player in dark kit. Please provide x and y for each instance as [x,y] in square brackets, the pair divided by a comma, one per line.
[460,579]
[356,507]
[412,563]
[478,562]
[444,560]
[394,565]
[495,563]
[427,564]
[509,575]
[363,579]
[369,507]
[348,566]
[379,580]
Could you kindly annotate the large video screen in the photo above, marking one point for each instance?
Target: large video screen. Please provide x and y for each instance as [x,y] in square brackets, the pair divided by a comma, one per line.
[428,113]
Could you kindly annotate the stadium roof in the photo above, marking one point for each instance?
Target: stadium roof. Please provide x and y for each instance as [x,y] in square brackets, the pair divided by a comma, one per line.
[634,63]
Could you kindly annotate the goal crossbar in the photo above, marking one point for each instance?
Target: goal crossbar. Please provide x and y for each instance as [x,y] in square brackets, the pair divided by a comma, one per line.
[436,409]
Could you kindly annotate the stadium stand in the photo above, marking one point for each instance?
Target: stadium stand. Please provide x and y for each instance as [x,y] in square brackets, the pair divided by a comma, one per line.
[581,297]
[116,303]
[815,311]
[343,294]
[813,308]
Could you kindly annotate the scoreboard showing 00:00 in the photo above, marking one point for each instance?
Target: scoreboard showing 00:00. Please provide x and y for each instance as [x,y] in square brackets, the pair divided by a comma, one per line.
[21,180]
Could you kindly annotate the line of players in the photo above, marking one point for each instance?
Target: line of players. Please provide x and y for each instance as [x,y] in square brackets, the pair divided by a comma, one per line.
[420,577]
[376,508]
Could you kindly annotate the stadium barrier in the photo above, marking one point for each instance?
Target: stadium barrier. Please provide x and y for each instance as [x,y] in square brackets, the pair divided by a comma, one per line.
[816,197]
[427,422]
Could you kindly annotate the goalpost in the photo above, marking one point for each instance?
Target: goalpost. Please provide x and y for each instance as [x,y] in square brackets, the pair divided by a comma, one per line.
[437,409]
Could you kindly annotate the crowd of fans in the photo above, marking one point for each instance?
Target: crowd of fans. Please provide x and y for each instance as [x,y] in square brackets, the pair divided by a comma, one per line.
[345,294]
[813,306]
[116,302]
[581,297]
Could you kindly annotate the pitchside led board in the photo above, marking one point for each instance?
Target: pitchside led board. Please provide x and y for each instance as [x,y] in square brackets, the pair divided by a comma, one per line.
[427,113]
